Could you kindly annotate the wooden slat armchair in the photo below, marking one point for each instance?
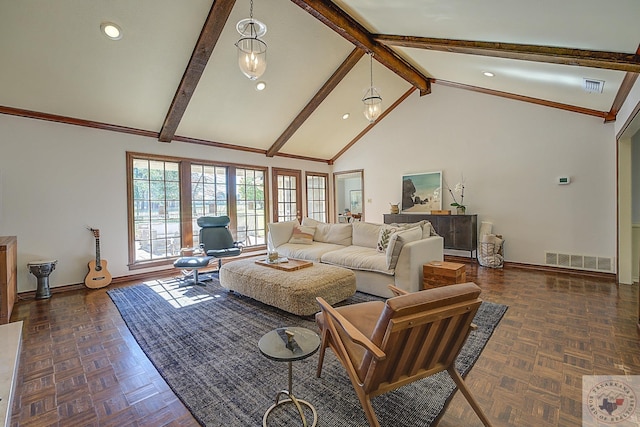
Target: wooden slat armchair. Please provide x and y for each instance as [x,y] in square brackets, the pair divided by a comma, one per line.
[385,345]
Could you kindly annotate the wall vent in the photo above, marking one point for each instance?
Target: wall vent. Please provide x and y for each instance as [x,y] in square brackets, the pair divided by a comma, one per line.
[579,262]
[593,86]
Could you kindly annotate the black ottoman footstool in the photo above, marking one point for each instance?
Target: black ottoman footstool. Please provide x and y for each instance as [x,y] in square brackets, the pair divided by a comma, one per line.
[192,263]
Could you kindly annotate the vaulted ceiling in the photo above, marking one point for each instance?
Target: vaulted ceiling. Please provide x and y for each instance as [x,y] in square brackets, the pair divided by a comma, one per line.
[174,76]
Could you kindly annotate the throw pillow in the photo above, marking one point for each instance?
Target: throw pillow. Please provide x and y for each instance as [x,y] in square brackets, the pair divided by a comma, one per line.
[302,235]
[428,230]
[384,236]
[280,232]
[398,240]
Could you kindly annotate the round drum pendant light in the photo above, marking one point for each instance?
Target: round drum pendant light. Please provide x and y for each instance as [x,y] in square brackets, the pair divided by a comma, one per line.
[252,52]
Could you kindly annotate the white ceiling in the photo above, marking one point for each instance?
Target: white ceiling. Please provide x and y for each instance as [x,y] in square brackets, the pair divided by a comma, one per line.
[56,61]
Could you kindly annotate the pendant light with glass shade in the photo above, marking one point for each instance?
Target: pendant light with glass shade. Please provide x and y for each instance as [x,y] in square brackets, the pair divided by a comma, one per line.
[252,52]
[372,99]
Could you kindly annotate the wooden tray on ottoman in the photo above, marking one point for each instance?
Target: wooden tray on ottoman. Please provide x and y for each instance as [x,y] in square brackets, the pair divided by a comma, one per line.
[291,265]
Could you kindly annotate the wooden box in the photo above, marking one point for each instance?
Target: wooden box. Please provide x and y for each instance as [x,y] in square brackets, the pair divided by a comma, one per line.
[441,212]
[442,273]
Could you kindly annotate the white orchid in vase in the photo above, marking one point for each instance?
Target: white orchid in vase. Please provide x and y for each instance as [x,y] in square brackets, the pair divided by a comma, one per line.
[458,189]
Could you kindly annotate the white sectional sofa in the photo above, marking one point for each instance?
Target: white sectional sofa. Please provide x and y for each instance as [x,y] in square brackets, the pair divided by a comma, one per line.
[378,254]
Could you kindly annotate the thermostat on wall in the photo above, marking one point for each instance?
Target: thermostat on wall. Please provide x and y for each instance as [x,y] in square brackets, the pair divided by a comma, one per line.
[564,180]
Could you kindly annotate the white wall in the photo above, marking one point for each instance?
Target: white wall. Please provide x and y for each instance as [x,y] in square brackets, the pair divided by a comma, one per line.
[510,153]
[56,180]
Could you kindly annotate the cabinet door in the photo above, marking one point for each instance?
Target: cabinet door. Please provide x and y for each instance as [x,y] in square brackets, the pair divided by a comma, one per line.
[462,232]
[444,226]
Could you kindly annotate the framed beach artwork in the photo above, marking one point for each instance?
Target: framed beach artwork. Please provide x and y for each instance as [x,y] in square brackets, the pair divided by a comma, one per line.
[422,192]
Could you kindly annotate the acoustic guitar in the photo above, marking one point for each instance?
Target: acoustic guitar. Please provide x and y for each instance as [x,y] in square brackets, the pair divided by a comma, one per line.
[98,276]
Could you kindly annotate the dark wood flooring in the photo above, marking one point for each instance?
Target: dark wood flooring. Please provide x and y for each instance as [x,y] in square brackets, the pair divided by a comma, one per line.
[80,366]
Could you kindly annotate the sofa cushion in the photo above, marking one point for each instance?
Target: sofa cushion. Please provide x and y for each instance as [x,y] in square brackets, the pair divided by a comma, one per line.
[398,240]
[302,234]
[311,252]
[427,227]
[339,234]
[365,234]
[310,222]
[281,232]
[358,258]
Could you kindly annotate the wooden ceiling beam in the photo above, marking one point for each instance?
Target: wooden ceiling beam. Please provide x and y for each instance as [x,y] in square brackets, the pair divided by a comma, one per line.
[344,68]
[629,62]
[538,101]
[623,91]
[339,21]
[213,26]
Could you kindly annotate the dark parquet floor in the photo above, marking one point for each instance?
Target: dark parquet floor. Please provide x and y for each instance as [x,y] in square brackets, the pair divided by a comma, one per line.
[80,366]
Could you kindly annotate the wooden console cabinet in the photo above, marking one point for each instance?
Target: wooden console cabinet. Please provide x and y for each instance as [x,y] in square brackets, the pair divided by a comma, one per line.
[459,232]
[8,276]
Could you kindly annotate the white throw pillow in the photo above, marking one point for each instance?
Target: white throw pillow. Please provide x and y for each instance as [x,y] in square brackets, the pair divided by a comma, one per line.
[365,234]
[384,236]
[302,234]
[398,240]
[281,232]
[428,230]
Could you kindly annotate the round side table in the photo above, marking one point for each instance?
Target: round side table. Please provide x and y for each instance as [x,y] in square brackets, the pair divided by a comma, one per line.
[288,345]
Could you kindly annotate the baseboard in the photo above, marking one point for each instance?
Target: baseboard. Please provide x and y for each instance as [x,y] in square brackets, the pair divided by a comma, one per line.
[453,258]
[537,267]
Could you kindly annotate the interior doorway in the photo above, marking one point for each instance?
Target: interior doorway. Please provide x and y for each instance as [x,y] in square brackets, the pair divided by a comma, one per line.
[628,158]
[349,195]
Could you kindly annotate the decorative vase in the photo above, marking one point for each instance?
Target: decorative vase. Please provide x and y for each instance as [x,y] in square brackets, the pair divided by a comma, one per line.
[461,210]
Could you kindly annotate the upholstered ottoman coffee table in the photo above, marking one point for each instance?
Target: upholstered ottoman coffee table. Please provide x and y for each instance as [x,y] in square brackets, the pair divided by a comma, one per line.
[292,290]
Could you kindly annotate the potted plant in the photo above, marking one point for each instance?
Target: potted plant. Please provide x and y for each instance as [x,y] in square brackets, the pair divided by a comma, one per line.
[461,209]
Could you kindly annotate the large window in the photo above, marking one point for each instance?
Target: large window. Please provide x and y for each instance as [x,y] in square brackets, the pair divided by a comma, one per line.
[208,194]
[250,204]
[167,195]
[317,196]
[156,209]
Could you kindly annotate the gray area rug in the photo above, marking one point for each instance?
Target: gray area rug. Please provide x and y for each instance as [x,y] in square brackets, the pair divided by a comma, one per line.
[203,341]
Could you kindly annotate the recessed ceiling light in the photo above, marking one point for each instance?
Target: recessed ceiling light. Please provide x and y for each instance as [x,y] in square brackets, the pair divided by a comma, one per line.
[345,116]
[488,74]
[111,30]
[261,86]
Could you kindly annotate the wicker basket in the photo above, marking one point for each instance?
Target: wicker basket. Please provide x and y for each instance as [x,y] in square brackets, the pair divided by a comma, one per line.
[491,254]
